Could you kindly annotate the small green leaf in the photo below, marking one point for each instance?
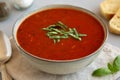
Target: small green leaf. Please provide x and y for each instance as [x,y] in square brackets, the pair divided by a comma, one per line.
[60,24]
[116,63]
[54,41]
[52,33]
[81,35]
[51,26]
[75,31]
[74,36]
[55,37]
[101,72]
[58,40]
[111,67]
[65,36]
[70,30]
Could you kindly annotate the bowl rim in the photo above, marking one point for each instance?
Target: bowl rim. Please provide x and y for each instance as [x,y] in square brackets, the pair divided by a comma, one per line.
[29,13]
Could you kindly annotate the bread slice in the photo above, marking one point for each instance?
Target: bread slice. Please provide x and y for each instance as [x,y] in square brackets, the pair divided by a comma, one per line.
[114,23]
[109,7]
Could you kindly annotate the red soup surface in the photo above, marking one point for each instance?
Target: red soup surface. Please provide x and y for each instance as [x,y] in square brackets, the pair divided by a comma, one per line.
[33,38]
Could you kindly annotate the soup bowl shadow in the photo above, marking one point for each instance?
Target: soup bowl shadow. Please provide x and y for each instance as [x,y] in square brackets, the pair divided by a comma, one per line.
[59,66]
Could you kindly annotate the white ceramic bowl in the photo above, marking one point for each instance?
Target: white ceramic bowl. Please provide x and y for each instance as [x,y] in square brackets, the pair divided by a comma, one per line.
[59,67]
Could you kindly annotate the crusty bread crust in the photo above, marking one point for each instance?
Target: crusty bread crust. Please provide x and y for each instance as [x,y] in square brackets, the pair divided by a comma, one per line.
[109,8]
[114,23]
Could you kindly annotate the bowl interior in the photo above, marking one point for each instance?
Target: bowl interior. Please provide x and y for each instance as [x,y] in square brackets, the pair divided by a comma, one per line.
[25,16]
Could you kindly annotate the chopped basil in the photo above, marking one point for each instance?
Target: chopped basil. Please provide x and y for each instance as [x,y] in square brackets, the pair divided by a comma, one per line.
[60,31]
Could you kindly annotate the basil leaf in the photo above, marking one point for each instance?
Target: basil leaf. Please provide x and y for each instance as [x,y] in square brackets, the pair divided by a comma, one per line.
[116,63]
[111,67]
[101,72]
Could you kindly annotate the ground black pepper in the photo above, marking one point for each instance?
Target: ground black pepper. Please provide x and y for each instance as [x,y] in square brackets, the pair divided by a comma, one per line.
[4,10]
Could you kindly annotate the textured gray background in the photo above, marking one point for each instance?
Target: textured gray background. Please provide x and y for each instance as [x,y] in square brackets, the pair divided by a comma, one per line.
[92,5]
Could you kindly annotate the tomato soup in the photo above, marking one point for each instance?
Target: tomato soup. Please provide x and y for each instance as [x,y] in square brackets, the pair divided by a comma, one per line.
[33,39]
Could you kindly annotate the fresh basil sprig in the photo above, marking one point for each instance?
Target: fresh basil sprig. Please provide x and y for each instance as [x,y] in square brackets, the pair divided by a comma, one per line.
[60,31]
[111,68]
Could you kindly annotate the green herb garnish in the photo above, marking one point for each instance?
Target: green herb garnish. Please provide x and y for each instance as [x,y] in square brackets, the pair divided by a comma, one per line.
[111,68]
[60,31]
[101,72]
